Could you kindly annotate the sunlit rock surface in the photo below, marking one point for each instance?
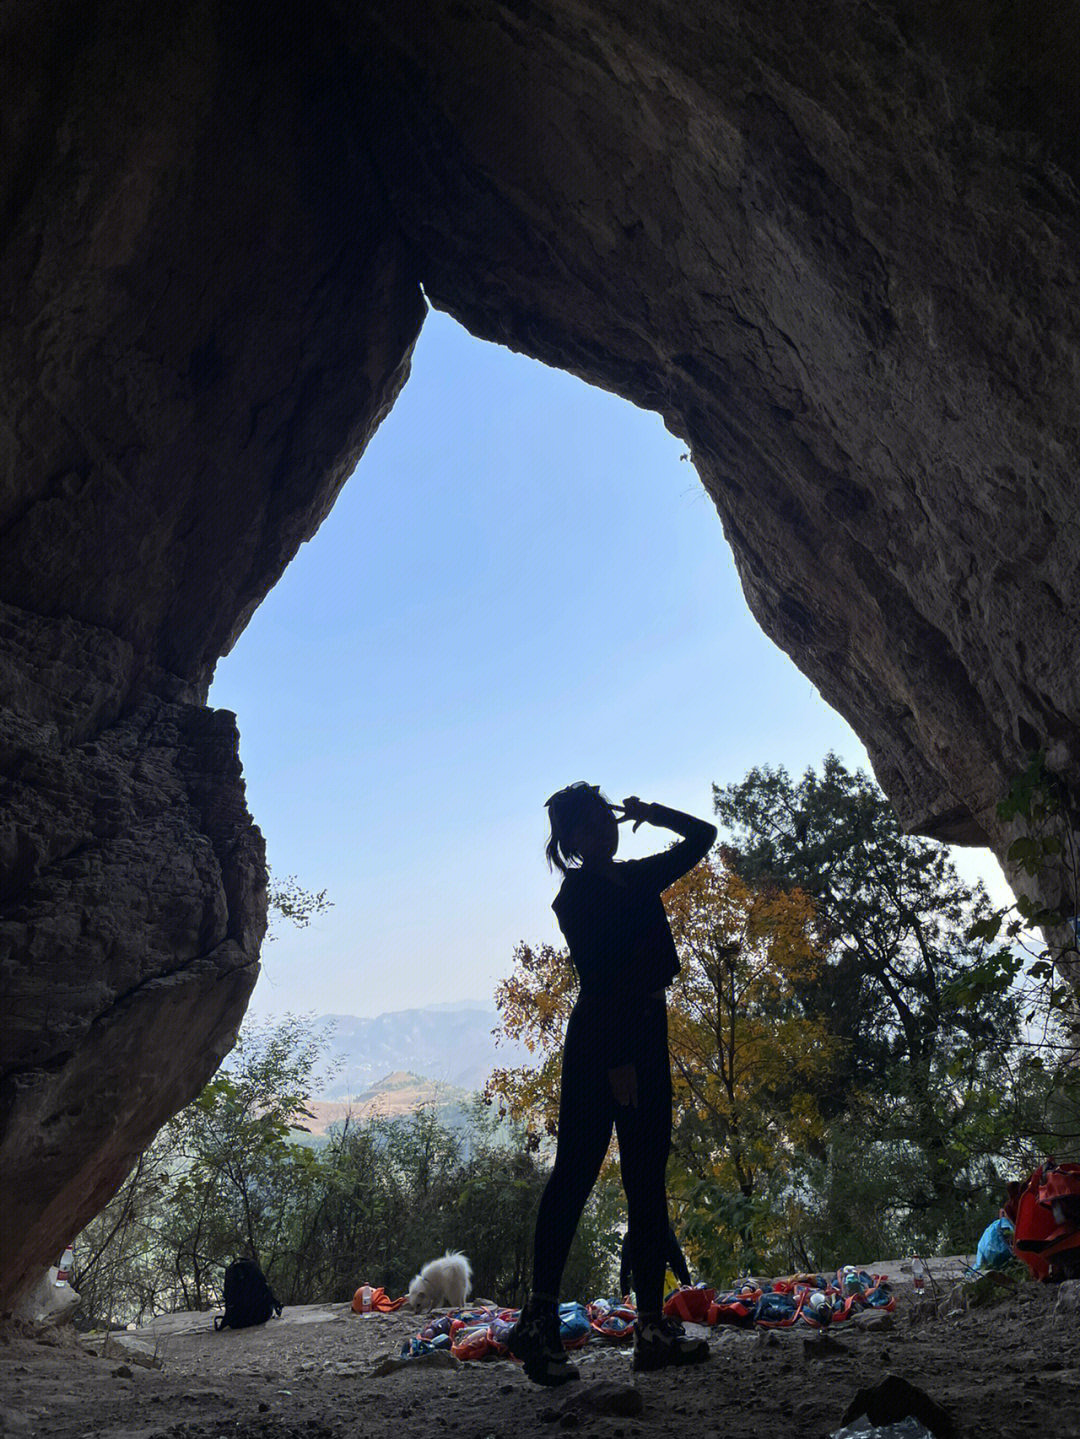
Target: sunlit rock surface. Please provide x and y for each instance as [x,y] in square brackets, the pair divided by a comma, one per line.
[833,244]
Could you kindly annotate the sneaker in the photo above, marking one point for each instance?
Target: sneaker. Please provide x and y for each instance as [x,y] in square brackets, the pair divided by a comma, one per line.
[659,1343]
[535,1340]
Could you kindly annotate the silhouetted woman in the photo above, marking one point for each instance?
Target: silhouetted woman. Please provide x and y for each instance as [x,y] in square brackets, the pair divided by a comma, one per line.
[615,1068]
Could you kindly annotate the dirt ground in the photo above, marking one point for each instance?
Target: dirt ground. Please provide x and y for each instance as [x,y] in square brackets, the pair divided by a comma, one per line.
[1001,1371]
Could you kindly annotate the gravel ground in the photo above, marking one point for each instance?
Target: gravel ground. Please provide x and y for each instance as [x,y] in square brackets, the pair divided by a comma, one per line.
[1003,1370]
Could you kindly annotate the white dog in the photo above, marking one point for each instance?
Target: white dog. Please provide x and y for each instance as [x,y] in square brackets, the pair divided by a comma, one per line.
[442,1283]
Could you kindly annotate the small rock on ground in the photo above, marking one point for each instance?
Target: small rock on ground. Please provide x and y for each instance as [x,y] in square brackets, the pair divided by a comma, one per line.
[605,1396]
[894,1399]
[436,1359]
[823,1346]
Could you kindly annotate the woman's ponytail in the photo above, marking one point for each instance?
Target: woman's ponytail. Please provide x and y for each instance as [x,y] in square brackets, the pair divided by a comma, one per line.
[566,809]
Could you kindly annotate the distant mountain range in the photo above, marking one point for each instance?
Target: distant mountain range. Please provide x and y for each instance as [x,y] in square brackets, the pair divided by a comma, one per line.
[449,1044]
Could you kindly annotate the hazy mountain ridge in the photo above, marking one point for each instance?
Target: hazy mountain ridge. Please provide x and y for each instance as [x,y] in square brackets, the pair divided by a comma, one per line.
[392,1097]
[449,1044]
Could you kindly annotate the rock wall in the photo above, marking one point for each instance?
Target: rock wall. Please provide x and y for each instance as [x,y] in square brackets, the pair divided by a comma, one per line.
[133,909]
[833,244]
[814,240]
[202,329]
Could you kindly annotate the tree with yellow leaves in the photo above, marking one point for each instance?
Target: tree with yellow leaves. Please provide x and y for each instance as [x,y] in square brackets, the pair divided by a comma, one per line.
[746,1058]
[534,1005]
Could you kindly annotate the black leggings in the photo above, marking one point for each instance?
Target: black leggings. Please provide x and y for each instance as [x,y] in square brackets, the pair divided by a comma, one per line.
[587,1111]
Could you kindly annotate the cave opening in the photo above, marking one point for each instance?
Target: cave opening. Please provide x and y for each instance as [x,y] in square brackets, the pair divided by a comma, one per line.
[754,226]
[523,583]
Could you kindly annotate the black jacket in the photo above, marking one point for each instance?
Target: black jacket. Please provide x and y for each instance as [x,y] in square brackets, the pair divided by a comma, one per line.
[618,933]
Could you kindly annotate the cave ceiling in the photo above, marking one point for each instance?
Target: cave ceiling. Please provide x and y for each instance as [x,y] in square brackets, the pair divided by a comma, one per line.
[834,245]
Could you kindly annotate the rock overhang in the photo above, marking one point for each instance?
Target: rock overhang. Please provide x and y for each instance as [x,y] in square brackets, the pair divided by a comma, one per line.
[833,245]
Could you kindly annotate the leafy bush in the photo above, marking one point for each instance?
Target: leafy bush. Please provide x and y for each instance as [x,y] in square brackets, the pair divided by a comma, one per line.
[228,1178]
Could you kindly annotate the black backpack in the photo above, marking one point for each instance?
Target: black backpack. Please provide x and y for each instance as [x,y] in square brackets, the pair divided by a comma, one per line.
[248,1297]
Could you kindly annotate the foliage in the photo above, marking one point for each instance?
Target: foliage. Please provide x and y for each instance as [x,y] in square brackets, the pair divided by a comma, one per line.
[1044,849]
[228,1177]
[859,1062]
[499,1191]
[534,1005]
[922,999]
[745,1054]
[118,1272]
[288,898]
[853,1062]
[241,1184]
[890,907]
[746,1059]
[995,1286]
[1045,963]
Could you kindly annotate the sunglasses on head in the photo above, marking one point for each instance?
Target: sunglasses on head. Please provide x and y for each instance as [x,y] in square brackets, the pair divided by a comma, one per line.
[578,788]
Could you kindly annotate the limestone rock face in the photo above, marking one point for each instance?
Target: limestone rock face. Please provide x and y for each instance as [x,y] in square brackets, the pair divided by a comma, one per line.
[814,239]
[201,330]
[133,909]
[48,1302]
[834,245]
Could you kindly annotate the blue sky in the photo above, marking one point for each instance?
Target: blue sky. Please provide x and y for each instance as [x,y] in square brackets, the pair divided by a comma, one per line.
[521,585]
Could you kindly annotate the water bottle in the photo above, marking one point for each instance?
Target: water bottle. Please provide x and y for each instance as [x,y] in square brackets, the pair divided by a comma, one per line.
[852,1284]
[820,1307]
[918,1275]
[63,1269]
[365,1298]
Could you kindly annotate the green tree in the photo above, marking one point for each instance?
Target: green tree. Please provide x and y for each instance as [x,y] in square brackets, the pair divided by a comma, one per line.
[921,1076]
[747,1058]
[499,1188]
[228,1177]
[118,1269]
[225,1177]
[288,898]
[242,1183]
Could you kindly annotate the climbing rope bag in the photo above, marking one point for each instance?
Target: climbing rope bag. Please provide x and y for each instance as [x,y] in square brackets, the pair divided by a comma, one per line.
[690,1302]
[248,1297]
[1046,1213]
[373,1299]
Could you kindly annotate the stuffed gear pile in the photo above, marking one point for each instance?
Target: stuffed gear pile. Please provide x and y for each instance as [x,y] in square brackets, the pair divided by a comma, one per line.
[482,1333]
[784,1302]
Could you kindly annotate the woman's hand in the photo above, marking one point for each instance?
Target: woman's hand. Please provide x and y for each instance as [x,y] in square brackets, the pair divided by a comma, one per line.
[623,1081]
[633,809]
